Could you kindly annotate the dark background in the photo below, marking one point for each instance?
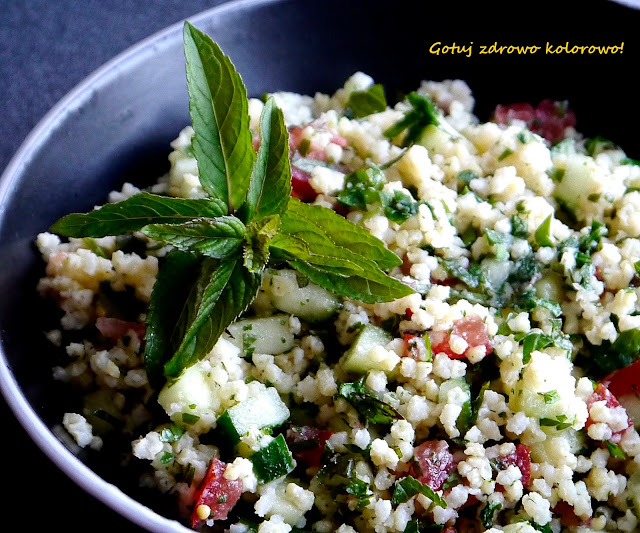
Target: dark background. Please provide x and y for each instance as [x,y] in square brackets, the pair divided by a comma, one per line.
[49,46]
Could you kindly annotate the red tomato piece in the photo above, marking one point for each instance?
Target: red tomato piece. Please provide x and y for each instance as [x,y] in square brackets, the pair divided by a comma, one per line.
[549,119]
[114,328]
[521,458]
[471,328]
[310,150]
[218,493]
[300,186]
[435,463]
[568,517]
[624,382]
[505,114]
[414,346]
[602,393]
[310,443]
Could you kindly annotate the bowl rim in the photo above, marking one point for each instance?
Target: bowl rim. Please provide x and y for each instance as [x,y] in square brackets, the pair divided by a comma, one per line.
[88,480]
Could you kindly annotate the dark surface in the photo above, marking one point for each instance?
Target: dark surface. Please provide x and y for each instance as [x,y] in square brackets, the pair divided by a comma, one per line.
[48,47]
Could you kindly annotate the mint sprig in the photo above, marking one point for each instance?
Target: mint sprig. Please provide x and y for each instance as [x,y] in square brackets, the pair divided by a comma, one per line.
[222,244]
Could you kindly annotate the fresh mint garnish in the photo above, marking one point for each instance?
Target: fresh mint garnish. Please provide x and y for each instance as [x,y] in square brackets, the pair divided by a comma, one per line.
[368,101]
[222,244]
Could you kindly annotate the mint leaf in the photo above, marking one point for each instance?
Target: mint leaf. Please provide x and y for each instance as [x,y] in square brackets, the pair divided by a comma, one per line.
[368,101]
[342,232]
[315,248]
[218,106]
[134,213]
[367,404]
[176,277]
[409,486]
[270,185]
[372,286]
[225,289]
[258,237]
[218,237]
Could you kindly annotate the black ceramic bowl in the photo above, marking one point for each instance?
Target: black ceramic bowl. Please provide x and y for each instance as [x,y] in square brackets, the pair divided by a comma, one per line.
[116,126]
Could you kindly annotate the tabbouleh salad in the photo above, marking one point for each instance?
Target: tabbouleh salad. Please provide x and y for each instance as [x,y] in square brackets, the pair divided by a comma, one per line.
[484,379]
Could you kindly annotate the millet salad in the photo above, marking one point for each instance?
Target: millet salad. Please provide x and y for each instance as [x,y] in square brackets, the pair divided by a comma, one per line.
[338,314]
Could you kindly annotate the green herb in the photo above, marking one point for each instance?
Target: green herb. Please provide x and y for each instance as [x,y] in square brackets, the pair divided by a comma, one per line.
[506,153]
[421,526]
[543,233]
[363,188]
[519,227]
[630,161]
[171,433]
[614,450]
[190,418]
[409,486]
[367,102]
[597,145]
[223,243]
[550,397]
[534,341]
[488,512]
[95,247]
[591,241]
[608,357]
[218,106]
[167,457]
[470,276]
[367,404]
[422,114]
[561,422]
[465,176]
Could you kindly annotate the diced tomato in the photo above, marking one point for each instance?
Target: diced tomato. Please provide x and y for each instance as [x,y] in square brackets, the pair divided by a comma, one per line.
[300,186]
[307,444]
[414,347]
[434,463]
[624,382]
[218,493]
[114,328]
[549,119]
[471,328]
[568,517]
[602,393]
[521,458]
[311,150]
[505,114]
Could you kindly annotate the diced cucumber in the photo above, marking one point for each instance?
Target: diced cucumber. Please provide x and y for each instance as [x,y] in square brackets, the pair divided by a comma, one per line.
[357,359]
[266,409]
[193,393]
[434,139]
[464,421]
[496,271]
[272,461]
[282,505]
[576,185]
[543,391]
[309,302]
[270,335]
[550,287]
[551,450]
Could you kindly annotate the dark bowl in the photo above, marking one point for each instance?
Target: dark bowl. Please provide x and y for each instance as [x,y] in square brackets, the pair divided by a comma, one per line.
[116,126]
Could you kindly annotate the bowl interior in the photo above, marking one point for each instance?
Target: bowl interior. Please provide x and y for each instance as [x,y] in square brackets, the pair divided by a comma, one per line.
[117,126]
